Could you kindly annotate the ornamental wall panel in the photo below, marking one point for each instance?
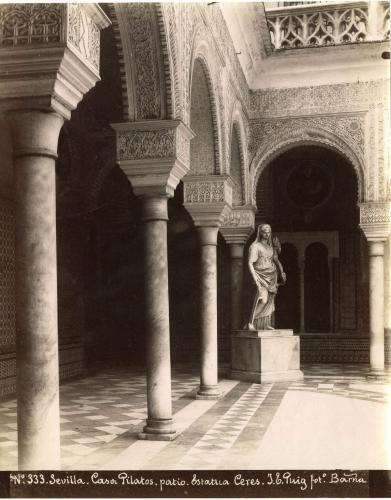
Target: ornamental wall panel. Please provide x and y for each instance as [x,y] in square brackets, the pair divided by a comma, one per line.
[356,115]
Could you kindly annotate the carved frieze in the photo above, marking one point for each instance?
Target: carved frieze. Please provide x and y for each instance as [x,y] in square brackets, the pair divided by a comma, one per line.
[153,140]
[37,70]
[375,220]
[29,24]
[238,224]
[239,217]
[143,144]
[371,213]
[319,99]
[83,33]
[204,192]
[207,198]
[348,126]
[141,28]
[43,23]
[154,155]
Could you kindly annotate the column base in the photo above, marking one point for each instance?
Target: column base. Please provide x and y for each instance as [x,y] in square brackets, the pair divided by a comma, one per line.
[377,376]
[208,392]
[158,429]
[157,437]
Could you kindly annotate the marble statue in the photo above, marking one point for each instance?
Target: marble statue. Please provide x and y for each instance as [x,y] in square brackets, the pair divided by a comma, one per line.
[268,274]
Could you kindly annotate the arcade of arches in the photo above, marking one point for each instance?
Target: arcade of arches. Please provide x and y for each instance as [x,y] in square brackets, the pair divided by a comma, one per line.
[143,156]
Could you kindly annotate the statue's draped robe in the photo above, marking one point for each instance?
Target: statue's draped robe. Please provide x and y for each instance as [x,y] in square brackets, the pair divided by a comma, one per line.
[264,266]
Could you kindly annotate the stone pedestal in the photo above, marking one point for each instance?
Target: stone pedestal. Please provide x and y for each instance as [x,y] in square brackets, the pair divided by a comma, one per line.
[265,356]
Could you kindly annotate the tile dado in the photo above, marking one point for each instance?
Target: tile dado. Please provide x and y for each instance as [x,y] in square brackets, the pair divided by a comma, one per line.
[72,364]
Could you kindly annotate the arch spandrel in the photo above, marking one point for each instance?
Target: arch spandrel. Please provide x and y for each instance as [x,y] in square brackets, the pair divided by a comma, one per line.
[284,141]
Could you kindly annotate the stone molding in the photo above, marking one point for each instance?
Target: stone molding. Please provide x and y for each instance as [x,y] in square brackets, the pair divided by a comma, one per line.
[155,155]
[49,55]
[207,198]
[375,220]
[238,224]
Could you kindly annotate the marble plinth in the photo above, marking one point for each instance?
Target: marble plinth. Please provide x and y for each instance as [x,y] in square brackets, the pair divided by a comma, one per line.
[265,356]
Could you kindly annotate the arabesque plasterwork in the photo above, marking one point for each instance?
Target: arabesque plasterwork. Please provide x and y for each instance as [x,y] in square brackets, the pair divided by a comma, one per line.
[145,144]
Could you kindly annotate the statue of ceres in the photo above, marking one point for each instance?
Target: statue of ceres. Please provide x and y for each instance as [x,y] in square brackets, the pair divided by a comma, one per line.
[268,274]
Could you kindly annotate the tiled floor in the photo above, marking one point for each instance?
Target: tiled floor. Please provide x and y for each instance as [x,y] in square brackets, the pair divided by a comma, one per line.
[334,418]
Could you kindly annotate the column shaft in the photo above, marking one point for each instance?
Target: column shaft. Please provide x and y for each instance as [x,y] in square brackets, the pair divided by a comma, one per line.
[208,304]
[331,295]
[376,306]
[302,296]
[35,136]
[387,287]
[236,250]
[159,421]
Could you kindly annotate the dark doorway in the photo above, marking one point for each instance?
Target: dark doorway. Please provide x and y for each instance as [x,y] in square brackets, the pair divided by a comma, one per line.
[316,289]
[288,298]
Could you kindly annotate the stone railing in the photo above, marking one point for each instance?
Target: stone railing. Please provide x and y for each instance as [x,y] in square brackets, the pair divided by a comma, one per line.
[321,24]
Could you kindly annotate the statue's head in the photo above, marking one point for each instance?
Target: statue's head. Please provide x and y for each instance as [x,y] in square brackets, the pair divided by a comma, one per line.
[264,232]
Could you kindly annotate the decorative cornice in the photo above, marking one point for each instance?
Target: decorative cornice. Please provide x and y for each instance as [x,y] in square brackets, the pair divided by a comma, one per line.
[208,198]
[238,224]
[154,155]
[375,220]
[49,55]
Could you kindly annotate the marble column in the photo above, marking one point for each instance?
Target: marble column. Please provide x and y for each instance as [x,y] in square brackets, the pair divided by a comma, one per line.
[155,155]
[159,425]
[376,307]
[208,200]
[302,292]
[41,84]
[387,287]
[375,221]
[35,135]
[331,295]
[236,228]
[208,304]
[236,254]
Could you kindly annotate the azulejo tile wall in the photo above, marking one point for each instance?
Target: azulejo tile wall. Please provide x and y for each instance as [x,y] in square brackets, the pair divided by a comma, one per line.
[7,302]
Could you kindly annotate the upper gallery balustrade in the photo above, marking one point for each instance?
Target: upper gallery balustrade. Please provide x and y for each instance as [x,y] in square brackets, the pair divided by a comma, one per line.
[316,24]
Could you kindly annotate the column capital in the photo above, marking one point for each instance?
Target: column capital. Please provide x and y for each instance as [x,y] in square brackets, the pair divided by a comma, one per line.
[375,220]
[376,248]
[34,132]
[238,224]
[155,155]
[207,198]
[50,57]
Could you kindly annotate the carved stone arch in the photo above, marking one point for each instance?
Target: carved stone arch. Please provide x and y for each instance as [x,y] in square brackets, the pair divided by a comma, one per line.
[269,150]
[144,61]
[203,52]
[237,127]
[110,11]
[169,39]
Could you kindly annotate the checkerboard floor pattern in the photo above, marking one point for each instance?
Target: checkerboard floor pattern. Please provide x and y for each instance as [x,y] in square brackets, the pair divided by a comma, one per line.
[208,452]
[102,414]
